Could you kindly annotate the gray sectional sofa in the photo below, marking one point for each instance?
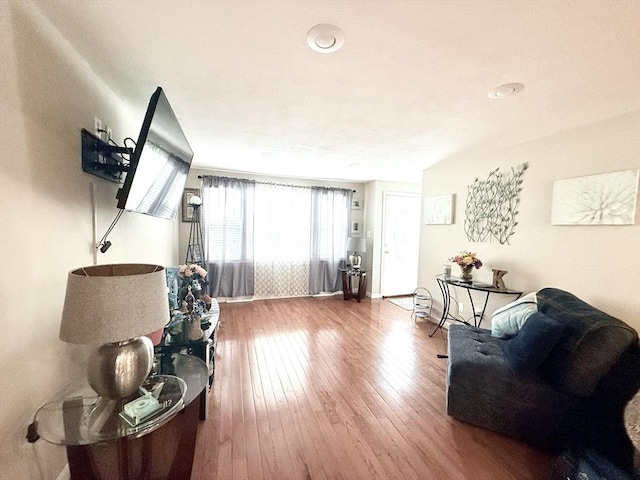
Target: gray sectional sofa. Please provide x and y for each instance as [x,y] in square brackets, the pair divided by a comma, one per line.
[573,396]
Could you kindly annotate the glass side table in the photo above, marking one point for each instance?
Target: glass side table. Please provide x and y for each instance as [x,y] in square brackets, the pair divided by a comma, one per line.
[84,420]
[103,446]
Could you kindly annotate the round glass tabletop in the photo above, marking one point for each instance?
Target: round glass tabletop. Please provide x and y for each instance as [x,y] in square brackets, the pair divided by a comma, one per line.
[78,416]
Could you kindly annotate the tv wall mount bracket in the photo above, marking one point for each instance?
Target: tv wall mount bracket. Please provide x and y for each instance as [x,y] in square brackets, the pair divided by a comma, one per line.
[102,159]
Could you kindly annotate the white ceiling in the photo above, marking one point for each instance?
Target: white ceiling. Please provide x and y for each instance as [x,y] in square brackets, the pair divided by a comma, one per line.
[408,88]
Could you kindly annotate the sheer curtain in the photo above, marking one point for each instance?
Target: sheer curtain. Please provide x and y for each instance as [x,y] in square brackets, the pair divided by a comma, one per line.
[228,220]
[282,226]
[330,209]
[272,240]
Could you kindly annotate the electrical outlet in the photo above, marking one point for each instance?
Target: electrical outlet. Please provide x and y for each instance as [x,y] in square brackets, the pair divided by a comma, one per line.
[108,129]
[97,126]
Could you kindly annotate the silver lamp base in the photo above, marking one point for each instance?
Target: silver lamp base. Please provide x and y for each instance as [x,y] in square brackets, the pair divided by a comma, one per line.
[116,370]
[355,259]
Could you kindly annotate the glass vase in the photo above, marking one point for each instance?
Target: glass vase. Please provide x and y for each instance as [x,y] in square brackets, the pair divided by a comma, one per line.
[466,276]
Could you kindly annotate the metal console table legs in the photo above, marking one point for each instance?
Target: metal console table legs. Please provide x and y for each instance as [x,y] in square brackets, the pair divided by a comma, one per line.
[445,282]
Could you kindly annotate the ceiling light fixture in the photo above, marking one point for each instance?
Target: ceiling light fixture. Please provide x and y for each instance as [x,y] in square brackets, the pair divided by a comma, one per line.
[325,38]
[505,90]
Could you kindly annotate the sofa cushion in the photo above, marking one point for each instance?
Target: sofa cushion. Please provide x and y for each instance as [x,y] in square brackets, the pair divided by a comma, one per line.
[530,347]
[507,321]
[483,389]
[593,342]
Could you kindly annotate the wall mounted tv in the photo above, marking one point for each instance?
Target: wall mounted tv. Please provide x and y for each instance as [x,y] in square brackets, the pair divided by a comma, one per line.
[159,164]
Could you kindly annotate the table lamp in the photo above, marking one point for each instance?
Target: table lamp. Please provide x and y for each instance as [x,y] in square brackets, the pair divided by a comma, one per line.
[114,306]
[356,245]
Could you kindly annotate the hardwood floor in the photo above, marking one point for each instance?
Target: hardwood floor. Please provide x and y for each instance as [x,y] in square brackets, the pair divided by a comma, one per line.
[320,388]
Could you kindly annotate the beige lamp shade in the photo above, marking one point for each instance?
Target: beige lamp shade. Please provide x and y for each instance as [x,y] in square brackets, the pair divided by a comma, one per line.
[355,244]
[114,303]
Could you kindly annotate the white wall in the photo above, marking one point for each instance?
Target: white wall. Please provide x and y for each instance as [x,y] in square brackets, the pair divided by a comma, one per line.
[47,94]
[597,263]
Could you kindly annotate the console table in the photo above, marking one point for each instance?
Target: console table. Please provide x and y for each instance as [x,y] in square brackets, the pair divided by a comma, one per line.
[445,282]
[102,446]
[347,283]
[204,349]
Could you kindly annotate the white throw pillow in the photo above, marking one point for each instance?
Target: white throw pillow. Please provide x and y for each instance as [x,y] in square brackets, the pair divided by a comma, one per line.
[507,321]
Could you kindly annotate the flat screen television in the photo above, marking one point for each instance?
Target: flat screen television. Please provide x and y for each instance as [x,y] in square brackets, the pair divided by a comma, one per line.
[159,164]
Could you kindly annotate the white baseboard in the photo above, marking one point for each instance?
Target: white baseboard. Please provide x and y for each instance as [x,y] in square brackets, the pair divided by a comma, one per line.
[374,295]
[64,474]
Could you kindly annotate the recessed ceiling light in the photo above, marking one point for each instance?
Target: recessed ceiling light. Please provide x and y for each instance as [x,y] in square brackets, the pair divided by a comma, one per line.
[505,90]
[325,38]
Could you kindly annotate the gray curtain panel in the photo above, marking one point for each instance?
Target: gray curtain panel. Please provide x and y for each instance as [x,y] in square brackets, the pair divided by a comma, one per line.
[228,235]
[272,239]
[330,216]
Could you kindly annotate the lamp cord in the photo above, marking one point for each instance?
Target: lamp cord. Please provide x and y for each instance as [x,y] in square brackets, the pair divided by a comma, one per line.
[102,242]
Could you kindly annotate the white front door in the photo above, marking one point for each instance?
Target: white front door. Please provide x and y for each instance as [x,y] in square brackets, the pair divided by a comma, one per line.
[401,242]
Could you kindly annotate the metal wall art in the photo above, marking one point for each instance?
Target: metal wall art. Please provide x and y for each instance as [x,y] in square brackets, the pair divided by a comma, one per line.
[492,206]
[605,199]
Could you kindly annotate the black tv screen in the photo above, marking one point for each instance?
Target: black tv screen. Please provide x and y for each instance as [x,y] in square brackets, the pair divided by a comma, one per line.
[159,164]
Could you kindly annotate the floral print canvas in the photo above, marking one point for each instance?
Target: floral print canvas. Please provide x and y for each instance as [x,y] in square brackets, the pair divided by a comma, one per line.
[604,199]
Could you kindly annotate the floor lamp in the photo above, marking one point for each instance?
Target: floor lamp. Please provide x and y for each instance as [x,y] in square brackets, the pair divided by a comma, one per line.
[195,250]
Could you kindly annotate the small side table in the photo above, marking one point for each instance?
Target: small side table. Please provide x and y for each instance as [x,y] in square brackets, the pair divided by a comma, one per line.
[348,275]
[111,449]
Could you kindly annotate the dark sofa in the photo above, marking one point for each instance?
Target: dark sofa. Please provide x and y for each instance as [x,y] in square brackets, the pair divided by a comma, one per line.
[574,399]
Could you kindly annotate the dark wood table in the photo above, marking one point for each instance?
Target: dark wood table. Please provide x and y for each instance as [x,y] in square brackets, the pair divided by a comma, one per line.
[348,275]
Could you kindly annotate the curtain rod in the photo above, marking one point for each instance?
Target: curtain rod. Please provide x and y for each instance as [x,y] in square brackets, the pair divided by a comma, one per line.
[280,184]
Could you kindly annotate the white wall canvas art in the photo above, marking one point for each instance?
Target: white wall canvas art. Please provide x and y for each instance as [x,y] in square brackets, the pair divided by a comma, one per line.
[604,199]
[438,210]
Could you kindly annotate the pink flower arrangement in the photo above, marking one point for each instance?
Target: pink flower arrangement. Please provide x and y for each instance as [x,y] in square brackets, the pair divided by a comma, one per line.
[192,274]
[466,259]
[191,269]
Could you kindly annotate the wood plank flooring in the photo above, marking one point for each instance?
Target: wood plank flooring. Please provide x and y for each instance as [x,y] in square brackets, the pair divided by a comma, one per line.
[320,388]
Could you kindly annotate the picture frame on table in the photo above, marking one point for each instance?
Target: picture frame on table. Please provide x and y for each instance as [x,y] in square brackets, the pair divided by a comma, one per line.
[187,210]
[173,285]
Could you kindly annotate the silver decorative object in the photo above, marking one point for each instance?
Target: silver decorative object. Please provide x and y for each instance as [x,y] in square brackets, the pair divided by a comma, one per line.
[498,282]
[116,370]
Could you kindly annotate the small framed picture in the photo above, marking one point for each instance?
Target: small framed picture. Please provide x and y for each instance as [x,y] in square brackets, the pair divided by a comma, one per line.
[356,204]
[355,228]
[438,210]
[173,284]
[187,209]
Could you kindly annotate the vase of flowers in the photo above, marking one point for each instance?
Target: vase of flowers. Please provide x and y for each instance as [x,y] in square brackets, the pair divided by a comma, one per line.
[467,261]
[192,278]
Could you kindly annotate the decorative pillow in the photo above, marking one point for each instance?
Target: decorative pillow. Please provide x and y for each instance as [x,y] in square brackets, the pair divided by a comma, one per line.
[533,343]
[506,321]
